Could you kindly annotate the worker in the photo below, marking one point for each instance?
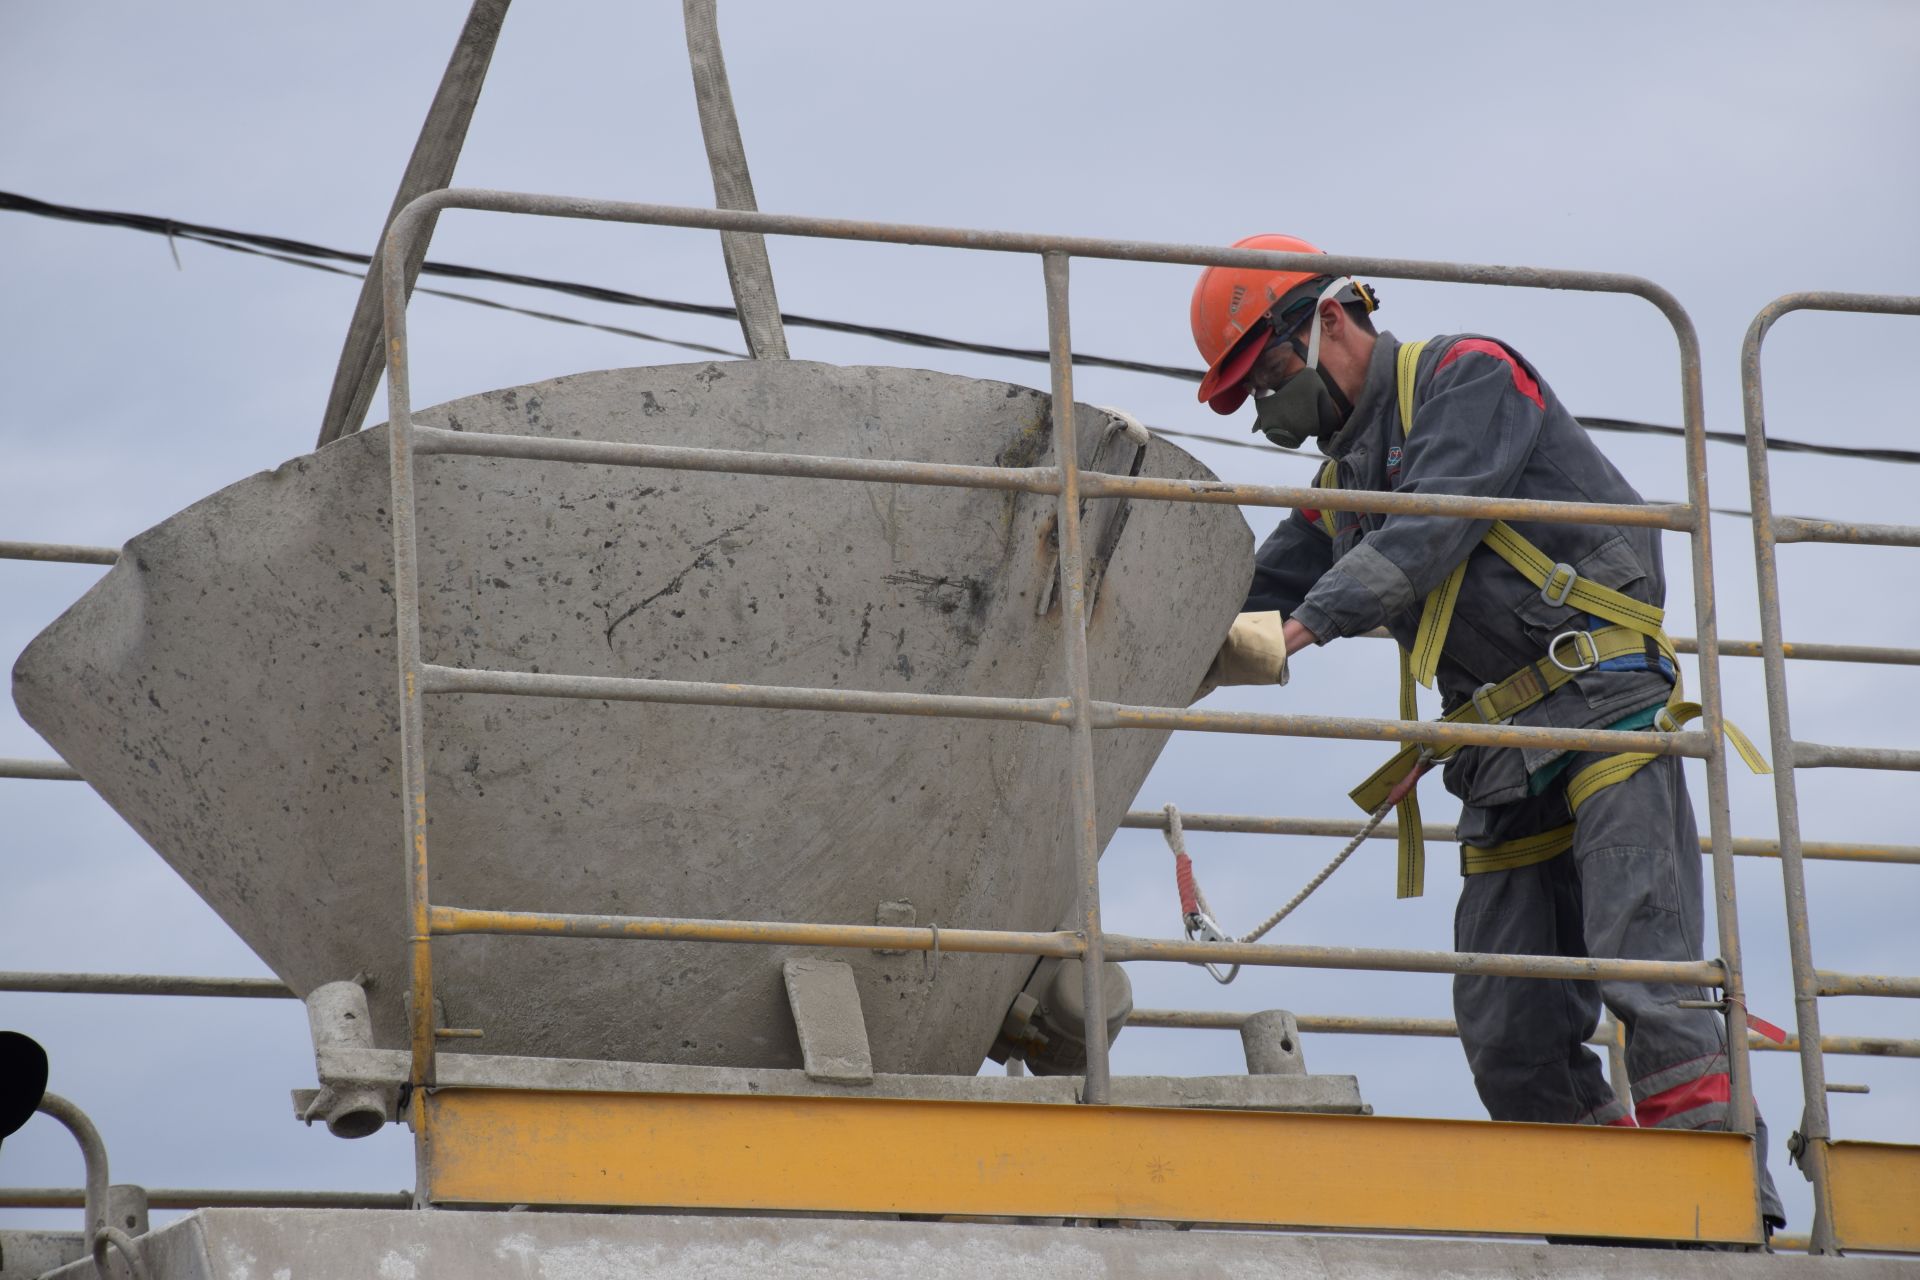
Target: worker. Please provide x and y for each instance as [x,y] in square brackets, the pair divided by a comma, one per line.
[1545,624]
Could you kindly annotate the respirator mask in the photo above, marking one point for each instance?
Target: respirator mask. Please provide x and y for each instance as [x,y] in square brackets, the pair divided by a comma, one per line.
[1309,403]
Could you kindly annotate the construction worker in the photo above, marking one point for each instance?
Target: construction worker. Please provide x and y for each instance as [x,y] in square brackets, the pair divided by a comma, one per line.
[1565,853]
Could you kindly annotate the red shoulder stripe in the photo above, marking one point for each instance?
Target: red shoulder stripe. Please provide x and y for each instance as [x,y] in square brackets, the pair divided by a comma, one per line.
[1313,517]
[1522,381]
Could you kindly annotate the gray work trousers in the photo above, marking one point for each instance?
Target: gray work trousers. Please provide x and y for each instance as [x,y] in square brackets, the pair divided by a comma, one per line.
[1629,888]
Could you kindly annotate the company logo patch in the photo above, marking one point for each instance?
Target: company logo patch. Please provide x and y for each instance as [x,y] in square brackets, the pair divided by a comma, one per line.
[1393,456]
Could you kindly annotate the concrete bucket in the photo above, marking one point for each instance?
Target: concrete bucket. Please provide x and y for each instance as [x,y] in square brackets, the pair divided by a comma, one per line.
[228,687]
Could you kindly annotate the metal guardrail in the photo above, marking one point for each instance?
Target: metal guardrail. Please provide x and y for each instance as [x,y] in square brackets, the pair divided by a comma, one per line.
[1790,755]
[1076,710]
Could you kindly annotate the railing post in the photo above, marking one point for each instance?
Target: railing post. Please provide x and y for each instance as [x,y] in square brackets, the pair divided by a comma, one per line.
[1073,631]
[406,634]
[1814,1128]
[1740,1109]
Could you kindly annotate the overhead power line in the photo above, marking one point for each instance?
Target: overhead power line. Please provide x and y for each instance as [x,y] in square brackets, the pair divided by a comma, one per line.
[303,253]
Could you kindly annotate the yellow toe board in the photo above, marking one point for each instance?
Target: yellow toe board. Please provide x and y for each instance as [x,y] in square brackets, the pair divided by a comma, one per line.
[880,1155]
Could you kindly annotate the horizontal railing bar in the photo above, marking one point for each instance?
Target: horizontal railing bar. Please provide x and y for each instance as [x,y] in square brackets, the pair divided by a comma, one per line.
[1816,755]
[1319,1024]
[1804,651]
[1443,1028]
[1248,824]
[1808,651]
[58,553]
[1120,947]
[1866,984]
[1801,529]
[211,1198]
[1113,715]
[1194,255]
[439,440]
[450,921]
[438,679]
[145,984]
[40,770]
[1165,489]
[1052,711]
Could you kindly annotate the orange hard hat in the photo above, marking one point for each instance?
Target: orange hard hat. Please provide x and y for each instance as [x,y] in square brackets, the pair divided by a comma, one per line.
[1228,304]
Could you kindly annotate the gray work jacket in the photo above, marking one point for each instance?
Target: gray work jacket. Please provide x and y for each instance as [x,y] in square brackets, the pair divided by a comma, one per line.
[1484,424]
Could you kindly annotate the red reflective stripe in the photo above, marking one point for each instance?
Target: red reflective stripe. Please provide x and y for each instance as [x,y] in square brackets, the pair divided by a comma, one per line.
[1522,381]
[1624,1122]
[1682,1098]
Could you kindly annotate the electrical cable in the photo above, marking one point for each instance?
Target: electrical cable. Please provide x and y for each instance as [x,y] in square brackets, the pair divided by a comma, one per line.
[298,253]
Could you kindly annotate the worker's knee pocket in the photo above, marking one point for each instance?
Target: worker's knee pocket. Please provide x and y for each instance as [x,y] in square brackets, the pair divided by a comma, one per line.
[1630,880]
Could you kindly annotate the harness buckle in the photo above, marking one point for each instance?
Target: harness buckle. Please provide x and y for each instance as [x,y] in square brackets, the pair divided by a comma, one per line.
[1483,703]
[1663,721]
[1587,658]
[1557,595]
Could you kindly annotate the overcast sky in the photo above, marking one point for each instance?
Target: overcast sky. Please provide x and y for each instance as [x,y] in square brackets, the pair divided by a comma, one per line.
[1731,152]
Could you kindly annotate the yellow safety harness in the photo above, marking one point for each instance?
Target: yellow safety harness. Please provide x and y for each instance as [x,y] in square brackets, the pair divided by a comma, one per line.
[1634,627]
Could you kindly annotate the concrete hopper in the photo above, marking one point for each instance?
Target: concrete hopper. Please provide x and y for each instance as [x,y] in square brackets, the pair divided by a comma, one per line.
[228,687]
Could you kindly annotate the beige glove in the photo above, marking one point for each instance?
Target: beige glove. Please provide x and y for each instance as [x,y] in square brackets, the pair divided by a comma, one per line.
[1254,652]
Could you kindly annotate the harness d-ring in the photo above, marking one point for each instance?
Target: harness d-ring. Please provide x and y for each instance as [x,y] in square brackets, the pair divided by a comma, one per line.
[1589,658]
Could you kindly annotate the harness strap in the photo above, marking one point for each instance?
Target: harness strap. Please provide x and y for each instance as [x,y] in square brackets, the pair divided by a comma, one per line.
[1498,702]
[1510,855]
[1634,628]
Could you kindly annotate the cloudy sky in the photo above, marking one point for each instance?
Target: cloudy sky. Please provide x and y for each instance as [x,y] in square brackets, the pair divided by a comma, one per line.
[1730,152]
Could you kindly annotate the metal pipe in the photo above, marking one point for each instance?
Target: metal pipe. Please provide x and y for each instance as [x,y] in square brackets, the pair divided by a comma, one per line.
[1111,715]
[1345,828]
[1073,636]
[57,553]
[1054,711]
[145,984]
[92,1150]
[40,770]
[1815,1124]
[1885,655]
[209,1198]
[1740,1109]
[448,921]
[1094,484]
[1799,529]
[438,679]
[1814,755]
[481,444]
[396,278]
[435,152]
[1217,492]
[1443,1028]
[1196,255]
[1829,983]
[1121,947]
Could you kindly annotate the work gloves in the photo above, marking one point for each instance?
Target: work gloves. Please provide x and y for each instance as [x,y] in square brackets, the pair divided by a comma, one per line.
[1254,652]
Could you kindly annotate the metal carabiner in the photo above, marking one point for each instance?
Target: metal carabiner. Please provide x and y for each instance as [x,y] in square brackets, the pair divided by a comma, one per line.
[1591,656]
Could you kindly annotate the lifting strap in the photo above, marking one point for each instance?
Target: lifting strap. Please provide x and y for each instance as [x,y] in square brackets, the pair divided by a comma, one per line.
[1634,628]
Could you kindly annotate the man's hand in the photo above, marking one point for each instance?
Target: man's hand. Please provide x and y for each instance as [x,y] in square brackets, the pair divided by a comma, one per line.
[1254,652]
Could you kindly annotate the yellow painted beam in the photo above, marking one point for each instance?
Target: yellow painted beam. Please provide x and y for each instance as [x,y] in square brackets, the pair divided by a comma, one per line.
[879,1155]
[1876,1195]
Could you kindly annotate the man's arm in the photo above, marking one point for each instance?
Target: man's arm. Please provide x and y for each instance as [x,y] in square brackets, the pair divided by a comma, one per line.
[1472,436]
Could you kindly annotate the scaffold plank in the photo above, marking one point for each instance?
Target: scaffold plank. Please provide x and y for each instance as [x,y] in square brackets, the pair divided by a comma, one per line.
[869,1155]
[1876,1196]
